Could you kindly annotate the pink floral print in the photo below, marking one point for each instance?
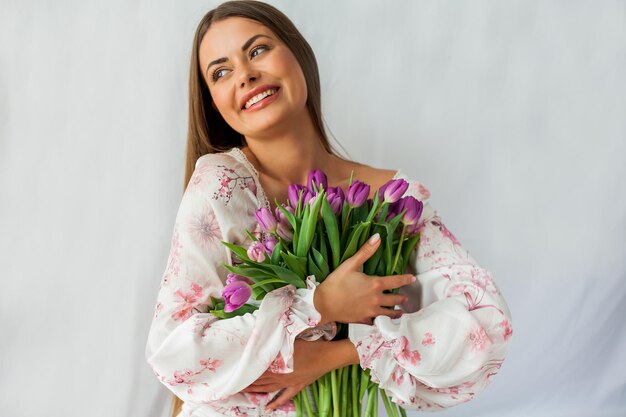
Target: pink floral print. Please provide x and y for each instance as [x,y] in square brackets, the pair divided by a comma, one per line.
[403,354]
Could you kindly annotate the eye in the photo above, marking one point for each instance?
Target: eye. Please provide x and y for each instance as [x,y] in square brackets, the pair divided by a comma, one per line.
[218,73]
[257,50]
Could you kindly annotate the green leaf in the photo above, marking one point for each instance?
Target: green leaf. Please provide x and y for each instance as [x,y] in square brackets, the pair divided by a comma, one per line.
[288,276]
[269,281]
[252,272]
[251,236]
[321,263]
[276,253]
[295,263]
[313,269]
[407,248]
[369,268]
[375,204]
[215,301]
[351,248]
[332,228]
[258,293]
[238,250]
[309,221]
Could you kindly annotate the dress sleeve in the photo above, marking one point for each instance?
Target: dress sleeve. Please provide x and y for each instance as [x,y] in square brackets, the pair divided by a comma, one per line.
[454,334]
[197,356]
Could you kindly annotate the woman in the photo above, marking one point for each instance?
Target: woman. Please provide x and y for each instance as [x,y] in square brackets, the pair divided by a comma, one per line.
[255,127]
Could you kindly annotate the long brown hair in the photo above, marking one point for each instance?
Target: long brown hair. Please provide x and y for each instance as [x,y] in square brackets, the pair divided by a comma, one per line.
[208,132]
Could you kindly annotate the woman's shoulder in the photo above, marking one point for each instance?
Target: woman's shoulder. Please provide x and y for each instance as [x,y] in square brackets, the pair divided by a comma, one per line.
[221,174]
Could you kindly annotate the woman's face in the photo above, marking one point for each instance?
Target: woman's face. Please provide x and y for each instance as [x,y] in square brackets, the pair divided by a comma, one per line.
[254,79]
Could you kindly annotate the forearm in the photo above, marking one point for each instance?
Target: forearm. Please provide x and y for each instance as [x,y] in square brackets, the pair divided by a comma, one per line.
[343,353]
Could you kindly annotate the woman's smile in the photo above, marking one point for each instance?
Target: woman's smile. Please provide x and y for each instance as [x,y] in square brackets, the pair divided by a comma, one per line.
[261,100]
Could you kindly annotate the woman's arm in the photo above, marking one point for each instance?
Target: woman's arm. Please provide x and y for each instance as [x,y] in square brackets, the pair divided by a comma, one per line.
[198,357]
[454,334]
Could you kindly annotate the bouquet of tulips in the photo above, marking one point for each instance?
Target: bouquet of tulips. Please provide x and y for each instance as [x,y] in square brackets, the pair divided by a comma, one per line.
[312,234]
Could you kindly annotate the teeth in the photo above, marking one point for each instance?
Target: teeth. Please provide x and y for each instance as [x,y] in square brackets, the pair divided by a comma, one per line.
[259,97]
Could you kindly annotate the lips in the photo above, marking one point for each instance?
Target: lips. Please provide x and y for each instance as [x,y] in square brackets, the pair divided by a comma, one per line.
[254,92]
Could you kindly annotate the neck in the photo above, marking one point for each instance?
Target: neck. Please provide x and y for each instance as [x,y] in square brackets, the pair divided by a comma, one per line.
[288,156]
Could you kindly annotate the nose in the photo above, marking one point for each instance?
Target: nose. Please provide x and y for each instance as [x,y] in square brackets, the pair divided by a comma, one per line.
[248,75]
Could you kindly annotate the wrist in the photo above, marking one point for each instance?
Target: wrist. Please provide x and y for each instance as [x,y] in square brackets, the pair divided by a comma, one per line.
[320,306]
[346,353]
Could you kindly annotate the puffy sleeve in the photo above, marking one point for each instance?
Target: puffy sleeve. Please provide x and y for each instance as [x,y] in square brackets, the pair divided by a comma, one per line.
[198,357]
[453,336]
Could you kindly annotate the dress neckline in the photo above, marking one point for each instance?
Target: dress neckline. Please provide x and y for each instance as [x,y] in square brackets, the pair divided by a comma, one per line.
[263,200]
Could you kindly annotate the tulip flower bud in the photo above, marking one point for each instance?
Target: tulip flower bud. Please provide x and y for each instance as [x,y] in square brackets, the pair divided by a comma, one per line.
[285,232]
[231,277]
[269,243]
[357,194]
[235,295]
[318,178]
[293,194]
[266,220]
[335,199]
[393,190]
[256,252]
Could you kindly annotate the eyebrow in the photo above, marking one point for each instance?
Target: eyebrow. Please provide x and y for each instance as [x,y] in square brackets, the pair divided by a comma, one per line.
[244,47]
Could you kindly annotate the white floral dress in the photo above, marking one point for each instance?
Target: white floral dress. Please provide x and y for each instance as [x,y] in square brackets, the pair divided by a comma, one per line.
[442,352]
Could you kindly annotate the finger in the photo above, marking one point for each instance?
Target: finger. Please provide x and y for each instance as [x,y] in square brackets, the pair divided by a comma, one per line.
[391,300]
[393,314]
[396,281]
[287,394]
[365,252]
[261,388]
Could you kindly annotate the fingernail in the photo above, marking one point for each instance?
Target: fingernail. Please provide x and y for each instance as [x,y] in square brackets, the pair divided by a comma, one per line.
[413,278]
[375,238]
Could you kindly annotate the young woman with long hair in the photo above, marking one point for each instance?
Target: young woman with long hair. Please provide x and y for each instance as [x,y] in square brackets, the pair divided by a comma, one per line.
[255,126]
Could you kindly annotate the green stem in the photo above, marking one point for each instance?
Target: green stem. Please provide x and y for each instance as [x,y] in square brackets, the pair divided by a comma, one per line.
[370,400]
[356,403]
[335,393]
[395,261]
[307,403]
[296,401]
[345,372]
[375,400]
[391,410]
[315,388]
[402,411]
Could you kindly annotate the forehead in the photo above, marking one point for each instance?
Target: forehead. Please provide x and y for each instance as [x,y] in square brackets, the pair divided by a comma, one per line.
[227,36]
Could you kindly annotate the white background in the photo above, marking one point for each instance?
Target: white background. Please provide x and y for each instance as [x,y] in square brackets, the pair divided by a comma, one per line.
[512,113]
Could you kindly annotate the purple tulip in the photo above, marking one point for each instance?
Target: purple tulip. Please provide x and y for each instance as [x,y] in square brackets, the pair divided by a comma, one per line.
[357,194]
[269,243]
[413,209]
[318,178]
[266,220]
[285,232]
[335,198]
[393,190]
[256,251]
[281,216]
[293,193]
[231,277]
[284,229]
[235,295]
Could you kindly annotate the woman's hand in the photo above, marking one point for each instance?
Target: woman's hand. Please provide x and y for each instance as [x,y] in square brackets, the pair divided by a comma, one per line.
[311,360]
[348,295]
